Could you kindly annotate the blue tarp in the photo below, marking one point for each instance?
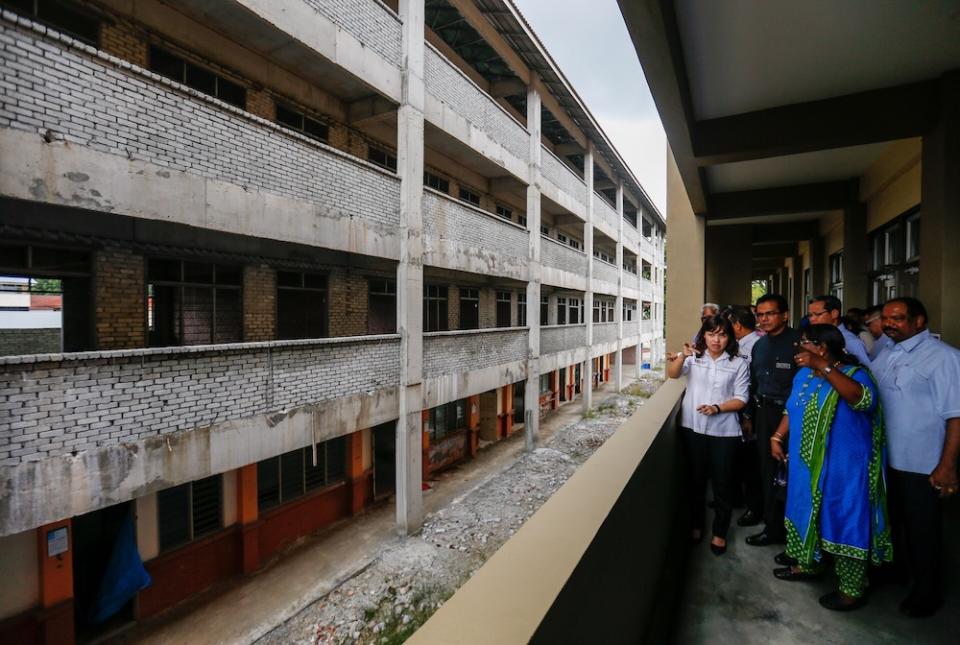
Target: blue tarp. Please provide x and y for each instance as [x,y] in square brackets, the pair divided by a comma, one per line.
[124,576]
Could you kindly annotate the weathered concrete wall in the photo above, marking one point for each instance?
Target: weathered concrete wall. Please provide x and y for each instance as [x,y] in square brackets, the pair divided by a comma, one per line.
[185,157]
[604,332]
[14,342]
[605,217]
[21,578]
[557,257]
[565,181]
[605,277]
[462,351]
[461,237]
[557,338]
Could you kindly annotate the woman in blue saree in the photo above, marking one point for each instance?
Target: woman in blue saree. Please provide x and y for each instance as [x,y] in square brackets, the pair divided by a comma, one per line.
[836,493]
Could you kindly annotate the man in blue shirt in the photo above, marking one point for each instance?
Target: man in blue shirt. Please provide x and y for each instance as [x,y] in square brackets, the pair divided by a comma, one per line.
[826,310]
[919,380]
[874,323]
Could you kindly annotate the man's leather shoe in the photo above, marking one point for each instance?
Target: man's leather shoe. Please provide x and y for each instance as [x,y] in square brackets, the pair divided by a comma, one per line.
[748,519]
[787,573]
[764,539]
[915,609]
[784,560]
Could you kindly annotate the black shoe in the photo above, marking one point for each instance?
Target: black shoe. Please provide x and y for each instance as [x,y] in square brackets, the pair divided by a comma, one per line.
[718,550]
[748,519]
[787,573]
[917,609]
[834,601]
[765,539]
[785,560]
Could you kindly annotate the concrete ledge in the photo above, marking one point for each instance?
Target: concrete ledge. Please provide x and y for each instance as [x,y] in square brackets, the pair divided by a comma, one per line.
[524,589]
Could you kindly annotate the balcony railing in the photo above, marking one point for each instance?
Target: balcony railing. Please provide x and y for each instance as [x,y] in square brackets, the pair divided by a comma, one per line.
[560,174]
[454,89]
[631,237]
[557,255]
[461,236]
[460,351]
[371,22]
[604,332]
[616,563]
[558,338]
[91,100]
[605,272]
[105,398]
[602,211]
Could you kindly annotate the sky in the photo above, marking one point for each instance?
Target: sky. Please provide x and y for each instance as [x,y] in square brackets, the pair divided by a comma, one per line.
[589,41]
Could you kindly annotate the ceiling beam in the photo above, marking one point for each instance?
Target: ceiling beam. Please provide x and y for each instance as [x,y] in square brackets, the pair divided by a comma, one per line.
[779,250]
[510,87]
[564,149]
[552,105]
[804,198]
[474,16]
[652,25]
[768,264]
[865,117]
[779,233]
[368,109]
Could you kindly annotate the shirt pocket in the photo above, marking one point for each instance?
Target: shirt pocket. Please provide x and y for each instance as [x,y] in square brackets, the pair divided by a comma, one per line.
[908,378]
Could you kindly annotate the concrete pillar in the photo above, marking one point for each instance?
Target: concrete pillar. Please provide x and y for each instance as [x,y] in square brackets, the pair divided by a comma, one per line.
[56,584]
[409,495]
[356,477]
[247,515]
[940,221]
[797,307]
[618,306]
[587,371]
[855,254]
[685,256]
[729,252]
[818,266]
[531,395]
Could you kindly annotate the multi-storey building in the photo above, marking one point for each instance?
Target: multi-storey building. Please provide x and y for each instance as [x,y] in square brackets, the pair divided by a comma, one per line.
[309,251]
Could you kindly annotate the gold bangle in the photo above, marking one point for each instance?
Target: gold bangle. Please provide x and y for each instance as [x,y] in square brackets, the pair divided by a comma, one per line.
[777,439]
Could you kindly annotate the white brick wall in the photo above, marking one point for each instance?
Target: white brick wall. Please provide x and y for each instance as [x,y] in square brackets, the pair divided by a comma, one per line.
[604,272]
[373,24]
[562,177]
[555,255]
[52,404]
[447,84]
[464,351]
[602,210]
[92,99]
[631,238]
[557,338]
[604,333]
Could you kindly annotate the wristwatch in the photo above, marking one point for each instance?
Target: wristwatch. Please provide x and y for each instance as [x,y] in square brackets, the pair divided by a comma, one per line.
[827,369]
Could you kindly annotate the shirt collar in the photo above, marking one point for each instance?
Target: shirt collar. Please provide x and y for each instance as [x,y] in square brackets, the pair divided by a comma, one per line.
[914,341]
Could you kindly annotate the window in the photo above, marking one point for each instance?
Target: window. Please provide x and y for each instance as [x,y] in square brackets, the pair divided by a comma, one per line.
[193,303]
[504,212]
[807,285]
[561,311]
[544,309]
[544,230]
[435,308]
[602,311]
[469,309]
[574,243]
[302,123]
[469,196]
[646,311]
[382,158]
[503,309]
[647,228]
[189,511]
[575,311]
[301,305]
[630,266]
[562,238]
[382,318]
[645,269]
[544,383]
[63,15]
[521,310]
[895,258]
[629,311]
[519,394]
[294,474]
[836,274]
[199,78]
[437,183]
[446,419]
[522,220]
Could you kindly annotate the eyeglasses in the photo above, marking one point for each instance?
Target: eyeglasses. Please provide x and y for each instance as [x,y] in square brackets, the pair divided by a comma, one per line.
[818,313]
[768,314]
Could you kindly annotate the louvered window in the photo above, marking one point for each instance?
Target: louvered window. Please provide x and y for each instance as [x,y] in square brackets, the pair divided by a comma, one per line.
[189,511]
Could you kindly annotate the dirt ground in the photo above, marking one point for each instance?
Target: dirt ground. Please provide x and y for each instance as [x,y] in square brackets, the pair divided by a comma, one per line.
[409,579]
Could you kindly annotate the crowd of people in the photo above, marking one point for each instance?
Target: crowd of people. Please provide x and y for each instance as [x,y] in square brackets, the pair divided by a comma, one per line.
[841,438]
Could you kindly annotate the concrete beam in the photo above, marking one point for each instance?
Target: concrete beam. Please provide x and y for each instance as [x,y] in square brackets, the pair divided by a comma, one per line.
[369,109]
[804,198]
[510,87]
[566,149]
[474,16]
[559,113]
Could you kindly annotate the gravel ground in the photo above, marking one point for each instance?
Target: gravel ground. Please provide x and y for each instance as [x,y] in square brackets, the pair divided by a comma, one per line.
[410,578]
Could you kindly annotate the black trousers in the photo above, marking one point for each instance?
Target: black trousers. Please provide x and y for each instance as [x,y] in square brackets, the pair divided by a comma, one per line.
[747,476]
[765,423]
[916,523]
[711,458]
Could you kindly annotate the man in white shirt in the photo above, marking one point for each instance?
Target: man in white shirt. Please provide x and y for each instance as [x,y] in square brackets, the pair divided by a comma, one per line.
[748,462]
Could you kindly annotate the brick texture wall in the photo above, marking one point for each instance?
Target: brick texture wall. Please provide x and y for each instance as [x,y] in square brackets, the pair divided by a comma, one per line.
[488,308]
[260,103]
[453,307]
[347,140]
[457,353]
[370,22]
[349,301]
[259,303]
[557,339]
[106,398]
[120,297]
[562,176]
[17,342]
[124,40]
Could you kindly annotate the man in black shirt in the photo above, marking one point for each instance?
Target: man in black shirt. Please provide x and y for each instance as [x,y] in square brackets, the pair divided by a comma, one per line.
[771,379]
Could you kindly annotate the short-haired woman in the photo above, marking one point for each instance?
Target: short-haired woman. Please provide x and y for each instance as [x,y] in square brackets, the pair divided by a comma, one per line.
[717,388]
[836,493]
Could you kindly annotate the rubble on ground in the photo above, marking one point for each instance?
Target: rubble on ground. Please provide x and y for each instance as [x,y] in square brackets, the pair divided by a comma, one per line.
[403,586]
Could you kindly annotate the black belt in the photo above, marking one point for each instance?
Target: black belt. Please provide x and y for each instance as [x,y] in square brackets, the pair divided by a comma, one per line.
[763,400]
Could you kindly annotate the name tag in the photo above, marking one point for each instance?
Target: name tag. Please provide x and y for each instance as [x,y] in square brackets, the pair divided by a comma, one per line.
[784,366]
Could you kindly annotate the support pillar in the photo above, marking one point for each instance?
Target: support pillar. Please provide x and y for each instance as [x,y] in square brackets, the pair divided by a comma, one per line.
[248,516]
[531,398]
[473,423]
[818,266]
[855,254]
[410,435]
[797,306]
[356,478]
[56,584]
[729,256]
[587,372]
[685,248]
[940,221]
[618,306]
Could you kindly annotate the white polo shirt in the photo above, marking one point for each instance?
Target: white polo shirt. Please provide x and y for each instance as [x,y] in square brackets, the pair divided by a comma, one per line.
[712,382]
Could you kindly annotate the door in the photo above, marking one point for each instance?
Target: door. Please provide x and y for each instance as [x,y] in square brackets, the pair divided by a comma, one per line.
[384,459]
[563,383]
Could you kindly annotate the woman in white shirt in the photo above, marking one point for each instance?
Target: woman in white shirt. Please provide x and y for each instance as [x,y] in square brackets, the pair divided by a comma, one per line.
[718,385]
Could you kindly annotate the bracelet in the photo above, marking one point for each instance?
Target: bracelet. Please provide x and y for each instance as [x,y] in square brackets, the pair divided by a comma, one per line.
[776,438]
[719,411]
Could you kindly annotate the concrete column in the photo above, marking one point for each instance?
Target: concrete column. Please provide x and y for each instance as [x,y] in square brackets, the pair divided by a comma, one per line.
[940,221]
[685,256]
[729,257]
[409,495]
[618,307]
[587,371]
[855,254]
[56,584]
[247,515]
[797,306]
[818,266]
[531,398]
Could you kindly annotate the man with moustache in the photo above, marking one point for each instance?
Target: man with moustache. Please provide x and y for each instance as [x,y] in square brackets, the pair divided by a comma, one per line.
[874,323]
[919,381]
[771,378]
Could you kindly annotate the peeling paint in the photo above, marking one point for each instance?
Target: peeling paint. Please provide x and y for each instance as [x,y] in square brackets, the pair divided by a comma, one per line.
[77,177]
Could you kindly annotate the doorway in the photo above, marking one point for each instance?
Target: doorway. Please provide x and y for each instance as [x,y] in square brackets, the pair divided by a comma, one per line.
[384,459]
[94,537]
[563,383]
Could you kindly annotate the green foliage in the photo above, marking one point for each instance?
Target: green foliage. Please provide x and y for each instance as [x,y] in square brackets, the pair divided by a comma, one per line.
[45,285]
[757,289]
